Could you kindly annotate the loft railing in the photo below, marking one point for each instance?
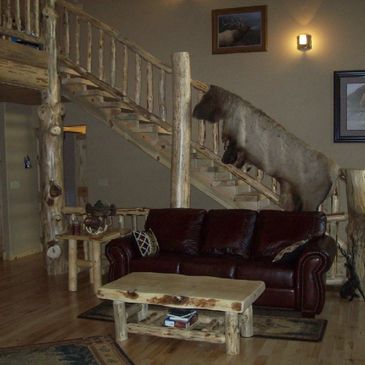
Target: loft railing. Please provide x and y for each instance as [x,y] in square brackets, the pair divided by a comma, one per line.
[22,20]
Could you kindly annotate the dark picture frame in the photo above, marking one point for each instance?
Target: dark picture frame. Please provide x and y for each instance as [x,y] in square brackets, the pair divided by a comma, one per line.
[349,106]
[239,29]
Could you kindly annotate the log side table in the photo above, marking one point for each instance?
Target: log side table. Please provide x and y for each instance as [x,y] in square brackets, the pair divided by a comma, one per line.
[227,301]
[92,252]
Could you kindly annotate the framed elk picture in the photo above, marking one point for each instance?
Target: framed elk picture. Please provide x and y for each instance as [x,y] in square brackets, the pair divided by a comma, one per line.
[239,29]
[349,106]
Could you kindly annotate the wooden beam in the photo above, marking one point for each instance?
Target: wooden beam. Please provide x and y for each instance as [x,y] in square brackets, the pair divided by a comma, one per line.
[22,54]
[180,157]
[52,186]
[18,74]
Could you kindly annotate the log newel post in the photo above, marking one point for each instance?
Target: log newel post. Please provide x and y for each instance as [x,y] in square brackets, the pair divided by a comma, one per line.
[51,145]
[181,131]
[355,190]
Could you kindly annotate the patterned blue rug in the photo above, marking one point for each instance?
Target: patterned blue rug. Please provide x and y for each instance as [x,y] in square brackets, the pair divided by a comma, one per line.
[96,350]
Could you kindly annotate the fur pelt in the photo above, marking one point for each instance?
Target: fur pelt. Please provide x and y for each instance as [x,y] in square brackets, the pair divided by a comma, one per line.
[306,176]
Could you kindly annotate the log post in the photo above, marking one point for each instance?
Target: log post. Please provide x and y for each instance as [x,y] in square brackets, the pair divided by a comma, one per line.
[181,131]
[355,191]
[51,143]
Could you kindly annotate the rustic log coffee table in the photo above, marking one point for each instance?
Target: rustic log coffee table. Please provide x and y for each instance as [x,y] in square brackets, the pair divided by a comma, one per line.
[210,295]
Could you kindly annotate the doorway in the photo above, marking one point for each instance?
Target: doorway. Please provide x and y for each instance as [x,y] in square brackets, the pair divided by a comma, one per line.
[74,165]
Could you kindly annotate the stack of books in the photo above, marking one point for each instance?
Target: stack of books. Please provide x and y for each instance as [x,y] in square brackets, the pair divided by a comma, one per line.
[180,318]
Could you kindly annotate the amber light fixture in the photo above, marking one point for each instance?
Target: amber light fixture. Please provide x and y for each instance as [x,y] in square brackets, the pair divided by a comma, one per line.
[304,42]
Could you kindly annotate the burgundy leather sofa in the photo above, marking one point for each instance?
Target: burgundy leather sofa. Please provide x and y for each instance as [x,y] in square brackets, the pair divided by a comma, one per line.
[237,244]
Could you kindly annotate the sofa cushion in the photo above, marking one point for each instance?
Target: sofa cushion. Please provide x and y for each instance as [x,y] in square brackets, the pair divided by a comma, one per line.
[274,275]
[228,231]
[276,230]
[147,242]
[222,267]
[163,263]
[177,230]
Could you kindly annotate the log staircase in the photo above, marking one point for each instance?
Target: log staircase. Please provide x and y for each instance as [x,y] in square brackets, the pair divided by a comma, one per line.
[130,91]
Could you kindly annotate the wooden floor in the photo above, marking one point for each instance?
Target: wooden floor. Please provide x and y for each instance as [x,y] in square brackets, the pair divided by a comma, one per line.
[35,308]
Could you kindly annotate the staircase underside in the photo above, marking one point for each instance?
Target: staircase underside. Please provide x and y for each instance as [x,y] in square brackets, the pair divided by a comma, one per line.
[153,136]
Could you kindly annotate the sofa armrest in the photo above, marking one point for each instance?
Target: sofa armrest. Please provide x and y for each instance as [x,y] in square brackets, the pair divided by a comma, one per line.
[119,253]
[314,262]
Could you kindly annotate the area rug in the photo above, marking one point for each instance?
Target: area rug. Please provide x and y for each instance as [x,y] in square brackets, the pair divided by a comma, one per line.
[284,325]
[96,350]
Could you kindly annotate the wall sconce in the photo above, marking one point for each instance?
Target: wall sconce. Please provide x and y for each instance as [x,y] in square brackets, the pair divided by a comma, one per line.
[304,42]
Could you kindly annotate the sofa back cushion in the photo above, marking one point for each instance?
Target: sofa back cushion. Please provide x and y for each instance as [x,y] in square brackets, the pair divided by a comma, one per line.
[276,230]
[228,231]
[176,229]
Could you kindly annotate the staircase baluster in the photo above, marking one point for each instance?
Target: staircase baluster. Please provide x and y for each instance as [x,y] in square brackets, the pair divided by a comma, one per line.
[66,22]
[134,222]
[112,62]
[101,54]
[27,17]
[162,91]
[125,71]
[274,185]
[121,222]
[17,16]
[216,138]
[333,228]
[149,87]
[9,22]
[259,175]
[36,18]
[137,96]
[89,47]
[202,131]
[77,41]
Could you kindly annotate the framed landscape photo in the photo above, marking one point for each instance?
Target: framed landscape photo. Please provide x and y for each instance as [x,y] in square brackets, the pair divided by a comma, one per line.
[349,106]
[239,29]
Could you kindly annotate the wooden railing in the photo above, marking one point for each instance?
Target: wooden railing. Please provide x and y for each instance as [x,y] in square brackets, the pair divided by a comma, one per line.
[22,19]
[125,218]
[100,50]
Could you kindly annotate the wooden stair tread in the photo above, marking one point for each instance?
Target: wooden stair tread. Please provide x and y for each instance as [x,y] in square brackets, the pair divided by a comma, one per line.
[97,92]
[77,81]
[249,196]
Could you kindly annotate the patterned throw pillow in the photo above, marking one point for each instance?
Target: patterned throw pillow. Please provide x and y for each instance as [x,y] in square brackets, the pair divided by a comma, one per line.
[146,242]
[290,253]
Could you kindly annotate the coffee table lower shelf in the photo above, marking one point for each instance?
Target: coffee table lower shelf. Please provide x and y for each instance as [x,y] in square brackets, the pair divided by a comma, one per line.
[211,326]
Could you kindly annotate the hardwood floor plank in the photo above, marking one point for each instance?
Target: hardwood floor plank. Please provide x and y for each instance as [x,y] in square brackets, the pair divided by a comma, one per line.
[35,308]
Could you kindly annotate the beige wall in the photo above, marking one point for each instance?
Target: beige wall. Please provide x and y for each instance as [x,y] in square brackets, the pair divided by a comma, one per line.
[19,185]
[293,87]
[118,172]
